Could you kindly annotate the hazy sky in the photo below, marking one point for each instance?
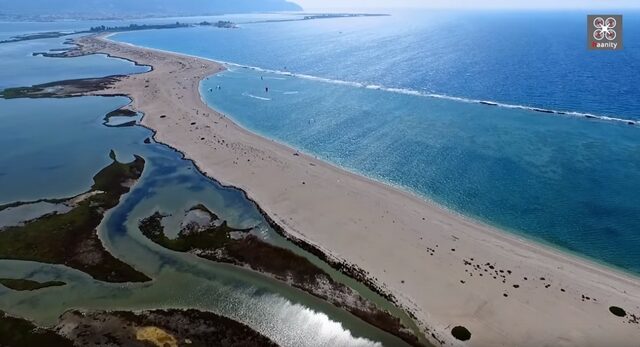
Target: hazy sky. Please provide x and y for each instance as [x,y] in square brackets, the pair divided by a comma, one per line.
[527,4]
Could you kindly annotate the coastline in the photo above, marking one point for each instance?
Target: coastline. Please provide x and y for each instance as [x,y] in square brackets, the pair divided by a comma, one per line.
[512,235]
[357,204]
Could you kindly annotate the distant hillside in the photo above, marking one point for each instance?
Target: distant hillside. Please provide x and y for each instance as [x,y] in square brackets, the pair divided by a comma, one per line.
[136,8]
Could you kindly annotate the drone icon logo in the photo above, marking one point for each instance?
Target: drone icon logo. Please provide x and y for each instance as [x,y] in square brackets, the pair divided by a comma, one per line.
[604,32]
[604,28]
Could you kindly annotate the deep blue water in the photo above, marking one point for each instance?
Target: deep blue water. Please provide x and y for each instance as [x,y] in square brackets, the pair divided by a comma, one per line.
[528,58]
[566,180]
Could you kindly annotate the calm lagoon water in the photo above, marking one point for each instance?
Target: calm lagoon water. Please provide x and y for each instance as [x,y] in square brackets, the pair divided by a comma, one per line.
[569,181]
[169,185]
[53,147]
[18,66]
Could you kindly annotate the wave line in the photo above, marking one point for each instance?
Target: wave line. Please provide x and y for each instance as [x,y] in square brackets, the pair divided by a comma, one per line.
[413,92]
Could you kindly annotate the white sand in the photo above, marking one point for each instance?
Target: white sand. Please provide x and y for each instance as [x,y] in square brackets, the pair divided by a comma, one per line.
[415,250]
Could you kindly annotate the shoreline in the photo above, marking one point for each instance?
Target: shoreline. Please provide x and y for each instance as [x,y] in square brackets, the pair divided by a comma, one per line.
[613,119]
[513,235]
[442,225]
[500,231]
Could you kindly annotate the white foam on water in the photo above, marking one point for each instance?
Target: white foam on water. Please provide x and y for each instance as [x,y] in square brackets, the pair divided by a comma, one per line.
[413,92]
[256,97]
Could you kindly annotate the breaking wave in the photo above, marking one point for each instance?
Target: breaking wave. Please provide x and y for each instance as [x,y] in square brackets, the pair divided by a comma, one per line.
[408,91]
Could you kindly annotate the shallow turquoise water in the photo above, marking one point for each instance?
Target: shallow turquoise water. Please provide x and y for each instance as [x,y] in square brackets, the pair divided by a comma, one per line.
[569,181]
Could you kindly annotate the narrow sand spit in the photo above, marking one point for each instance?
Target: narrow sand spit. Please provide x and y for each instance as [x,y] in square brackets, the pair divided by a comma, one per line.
[449,271]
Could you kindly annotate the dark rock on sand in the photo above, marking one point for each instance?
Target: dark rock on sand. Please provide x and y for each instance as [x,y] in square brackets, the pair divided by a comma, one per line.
[617,311]
[461,333]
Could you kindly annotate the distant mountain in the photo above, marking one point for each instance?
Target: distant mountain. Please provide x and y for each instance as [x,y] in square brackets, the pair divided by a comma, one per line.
[136,8]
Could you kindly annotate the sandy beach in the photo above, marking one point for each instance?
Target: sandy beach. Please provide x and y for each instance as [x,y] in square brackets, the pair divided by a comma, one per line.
[446,269]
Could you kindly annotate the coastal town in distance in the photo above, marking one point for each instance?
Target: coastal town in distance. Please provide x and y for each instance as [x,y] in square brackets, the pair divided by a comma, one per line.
[319,173]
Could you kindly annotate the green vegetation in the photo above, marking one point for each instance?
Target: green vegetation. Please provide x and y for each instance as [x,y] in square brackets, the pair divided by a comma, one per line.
[111,29]
[121,328]
[71,238]
[246,250]
[21,203]
[134,27]
[24,285]
[59,89]
[15,332]
[219,24]
[22,92]
[221,243]
[36,36]
[210,238]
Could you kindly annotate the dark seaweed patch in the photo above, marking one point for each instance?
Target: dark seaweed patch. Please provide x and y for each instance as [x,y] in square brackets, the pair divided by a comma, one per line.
[26,285]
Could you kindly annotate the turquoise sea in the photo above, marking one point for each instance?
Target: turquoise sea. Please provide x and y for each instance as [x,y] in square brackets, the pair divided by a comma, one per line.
[397,99]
